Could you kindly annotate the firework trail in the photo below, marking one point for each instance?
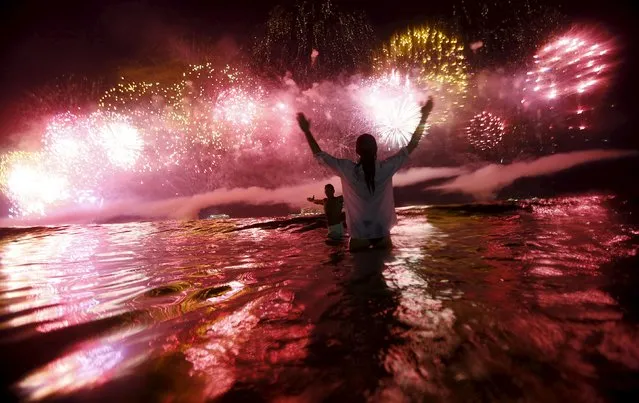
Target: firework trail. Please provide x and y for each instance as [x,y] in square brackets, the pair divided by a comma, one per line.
[313,40]
[506,33]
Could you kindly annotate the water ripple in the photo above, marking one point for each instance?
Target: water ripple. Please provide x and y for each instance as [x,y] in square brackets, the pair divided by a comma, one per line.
[475,302]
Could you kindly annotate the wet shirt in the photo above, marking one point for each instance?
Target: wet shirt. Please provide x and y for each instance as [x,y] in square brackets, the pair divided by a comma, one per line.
[333,209]
[368,215]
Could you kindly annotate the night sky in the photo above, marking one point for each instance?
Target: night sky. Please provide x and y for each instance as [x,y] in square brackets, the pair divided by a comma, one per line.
[44,40]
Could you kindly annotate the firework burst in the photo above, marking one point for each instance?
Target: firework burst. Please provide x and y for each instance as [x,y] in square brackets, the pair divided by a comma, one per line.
[237,113]
[122,143]
[90,148]
[391,105]
[435,57]
[570,72]
[434,60]
[81,156]
[485,131]
[200,106]
[29,184]
[188,129]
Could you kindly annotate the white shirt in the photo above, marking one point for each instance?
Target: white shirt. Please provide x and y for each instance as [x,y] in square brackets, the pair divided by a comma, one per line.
[367,215]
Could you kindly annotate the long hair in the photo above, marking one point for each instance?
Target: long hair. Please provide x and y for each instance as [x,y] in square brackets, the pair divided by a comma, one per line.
[366,148]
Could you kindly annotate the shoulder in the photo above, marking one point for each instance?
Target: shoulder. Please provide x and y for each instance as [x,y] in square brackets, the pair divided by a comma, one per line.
[395,161]
[324,154]
[346,162]
[401,154]
[334,161]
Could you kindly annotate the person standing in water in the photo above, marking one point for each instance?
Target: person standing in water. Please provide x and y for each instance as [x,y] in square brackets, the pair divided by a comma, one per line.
[333,210]
[367,184]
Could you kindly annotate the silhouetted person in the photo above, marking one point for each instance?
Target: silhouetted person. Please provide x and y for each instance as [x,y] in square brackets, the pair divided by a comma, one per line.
[333,210]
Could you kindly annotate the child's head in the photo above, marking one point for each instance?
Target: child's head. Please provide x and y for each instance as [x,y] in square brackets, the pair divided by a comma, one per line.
[329,190]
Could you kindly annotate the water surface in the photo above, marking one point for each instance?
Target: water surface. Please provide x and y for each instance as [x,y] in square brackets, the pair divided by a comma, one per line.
[526,301]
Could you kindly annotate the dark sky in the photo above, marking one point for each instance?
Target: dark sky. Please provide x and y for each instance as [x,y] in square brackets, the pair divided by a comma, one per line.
[42,40]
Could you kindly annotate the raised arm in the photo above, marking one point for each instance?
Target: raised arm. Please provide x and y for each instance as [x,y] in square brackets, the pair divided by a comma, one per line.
[419,131]
[305,125]
[337,165]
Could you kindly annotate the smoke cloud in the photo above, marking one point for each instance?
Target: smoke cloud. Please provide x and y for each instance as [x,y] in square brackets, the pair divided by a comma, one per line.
[187,208]
[482,183]
[485,182]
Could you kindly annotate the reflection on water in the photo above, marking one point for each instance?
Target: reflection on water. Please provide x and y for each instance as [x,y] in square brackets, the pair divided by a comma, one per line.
[531,301]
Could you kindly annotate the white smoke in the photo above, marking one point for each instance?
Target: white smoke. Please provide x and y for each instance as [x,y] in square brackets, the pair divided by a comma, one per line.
[187,208]
[482,183]
[485,182]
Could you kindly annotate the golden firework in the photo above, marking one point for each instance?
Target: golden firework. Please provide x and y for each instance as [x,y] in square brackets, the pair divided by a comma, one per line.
[430,54]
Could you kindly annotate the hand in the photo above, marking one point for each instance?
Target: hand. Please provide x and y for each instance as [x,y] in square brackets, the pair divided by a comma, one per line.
[427,107]
[304,123]
[311,199]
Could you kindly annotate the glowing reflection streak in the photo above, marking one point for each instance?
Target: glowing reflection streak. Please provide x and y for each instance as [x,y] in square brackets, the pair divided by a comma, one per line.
[38,275]
[90,366]
[418,308]
[236,287]
[59,271]
[217,357]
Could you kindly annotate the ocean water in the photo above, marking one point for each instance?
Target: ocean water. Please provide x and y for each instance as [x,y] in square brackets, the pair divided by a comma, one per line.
[528,301]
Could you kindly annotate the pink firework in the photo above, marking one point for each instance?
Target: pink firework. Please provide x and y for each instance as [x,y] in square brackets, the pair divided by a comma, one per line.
[30,184]
[572,66]
[97,144]
[120,141]
[80,155]
[237,113]
[485,131]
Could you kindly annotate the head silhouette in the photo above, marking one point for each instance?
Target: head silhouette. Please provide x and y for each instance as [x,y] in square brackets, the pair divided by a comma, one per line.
[366,148]
[329,190]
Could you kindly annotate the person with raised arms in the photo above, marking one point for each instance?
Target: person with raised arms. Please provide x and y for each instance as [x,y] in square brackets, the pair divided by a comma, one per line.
[367,184]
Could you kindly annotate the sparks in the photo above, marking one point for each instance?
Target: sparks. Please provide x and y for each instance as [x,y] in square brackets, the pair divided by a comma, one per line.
[390,102]
[568,65]
[485,131]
